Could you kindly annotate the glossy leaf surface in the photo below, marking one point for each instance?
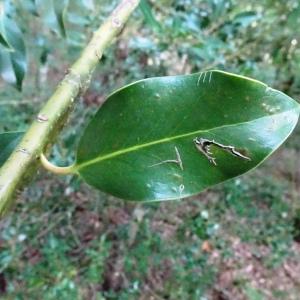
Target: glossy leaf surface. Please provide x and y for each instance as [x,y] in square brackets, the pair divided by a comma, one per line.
[141,144]
[8,142]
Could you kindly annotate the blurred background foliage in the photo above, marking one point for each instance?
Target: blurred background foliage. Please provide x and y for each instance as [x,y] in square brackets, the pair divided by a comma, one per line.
[64,240]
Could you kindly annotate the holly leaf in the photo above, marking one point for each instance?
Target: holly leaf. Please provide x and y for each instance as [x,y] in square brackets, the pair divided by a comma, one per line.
[173,137]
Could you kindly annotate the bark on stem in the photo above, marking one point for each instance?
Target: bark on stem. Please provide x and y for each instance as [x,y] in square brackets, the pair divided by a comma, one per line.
[25,159]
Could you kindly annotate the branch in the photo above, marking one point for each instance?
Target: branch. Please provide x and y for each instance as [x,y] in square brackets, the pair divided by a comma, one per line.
[24,161]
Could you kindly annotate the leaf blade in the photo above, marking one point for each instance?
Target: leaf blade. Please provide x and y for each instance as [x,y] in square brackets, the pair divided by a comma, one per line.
[13,63]
[136,157]
[148,15]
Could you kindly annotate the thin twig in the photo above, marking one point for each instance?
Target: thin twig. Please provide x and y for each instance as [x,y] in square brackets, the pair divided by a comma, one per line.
[24,161]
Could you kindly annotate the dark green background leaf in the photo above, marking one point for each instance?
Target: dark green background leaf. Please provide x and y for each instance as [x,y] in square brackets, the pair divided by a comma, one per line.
[13,63]
[8,142]
[30,6]
[4,40]
[148,15]
[53,13]
[128,147]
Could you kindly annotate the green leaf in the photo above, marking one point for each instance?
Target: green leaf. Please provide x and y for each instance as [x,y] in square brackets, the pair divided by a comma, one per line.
[87,4]
[148,15]
[246,18]
[253,294]
[8,142]
[30,6]
[53,14]
[141,144]
[13,63]
[293,19]
[4,41]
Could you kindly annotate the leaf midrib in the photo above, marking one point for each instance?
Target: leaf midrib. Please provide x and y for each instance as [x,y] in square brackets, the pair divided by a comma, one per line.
[164,140]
